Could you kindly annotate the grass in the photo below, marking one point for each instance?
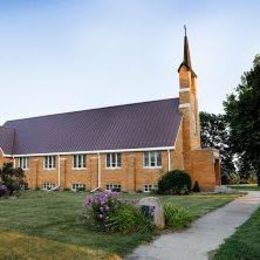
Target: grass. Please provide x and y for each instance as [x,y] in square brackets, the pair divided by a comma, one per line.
[246,187]
[42,225]
[244,244]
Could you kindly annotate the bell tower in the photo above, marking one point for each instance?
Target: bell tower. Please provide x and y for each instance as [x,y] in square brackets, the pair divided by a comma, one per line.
[188,103]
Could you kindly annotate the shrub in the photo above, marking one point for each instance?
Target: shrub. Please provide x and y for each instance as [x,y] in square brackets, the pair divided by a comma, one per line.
[175,182]
[12,179]
[129,219]
[176,217]
[196,187]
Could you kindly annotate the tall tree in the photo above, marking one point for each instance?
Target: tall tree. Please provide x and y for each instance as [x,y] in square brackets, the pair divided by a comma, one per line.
[215,134]
[242,109]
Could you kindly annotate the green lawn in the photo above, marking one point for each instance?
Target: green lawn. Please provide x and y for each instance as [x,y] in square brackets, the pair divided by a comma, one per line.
[42,225]
[244,244]
[245,187]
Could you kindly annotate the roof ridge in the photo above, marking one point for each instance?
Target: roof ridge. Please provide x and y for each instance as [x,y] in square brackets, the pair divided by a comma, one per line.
[84,110]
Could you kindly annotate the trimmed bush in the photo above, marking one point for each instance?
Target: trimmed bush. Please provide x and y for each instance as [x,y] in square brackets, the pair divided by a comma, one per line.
[128,219]
[175,182]
[196,187]
[176,217]
[12,180]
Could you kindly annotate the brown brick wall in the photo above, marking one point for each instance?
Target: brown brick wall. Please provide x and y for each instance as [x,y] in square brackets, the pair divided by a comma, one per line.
[202,165]
[204,168]
[132,175]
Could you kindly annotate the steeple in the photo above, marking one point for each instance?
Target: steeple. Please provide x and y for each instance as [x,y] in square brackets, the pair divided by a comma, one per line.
[186,54]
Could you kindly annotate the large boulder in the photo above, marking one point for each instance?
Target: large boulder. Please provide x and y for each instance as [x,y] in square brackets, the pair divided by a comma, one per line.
[156,210]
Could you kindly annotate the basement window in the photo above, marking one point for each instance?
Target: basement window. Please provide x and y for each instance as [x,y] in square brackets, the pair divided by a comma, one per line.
[23,163]
[48,186]
[113,187]
[79,161]
[152,159]
[49,162]
[150,187]
[113,160]
[78,187]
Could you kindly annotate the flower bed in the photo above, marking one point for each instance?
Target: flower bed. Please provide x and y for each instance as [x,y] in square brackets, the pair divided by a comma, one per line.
[106,212]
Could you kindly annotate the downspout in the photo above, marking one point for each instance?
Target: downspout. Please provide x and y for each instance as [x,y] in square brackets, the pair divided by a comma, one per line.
[14,162]
[169,160]
[99,170]
[98,173]
[59,176]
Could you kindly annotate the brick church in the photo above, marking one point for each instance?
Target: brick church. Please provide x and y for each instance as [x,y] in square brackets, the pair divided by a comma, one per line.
[128,147]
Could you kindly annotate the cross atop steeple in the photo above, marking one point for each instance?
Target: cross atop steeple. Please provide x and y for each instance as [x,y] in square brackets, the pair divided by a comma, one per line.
[185,29]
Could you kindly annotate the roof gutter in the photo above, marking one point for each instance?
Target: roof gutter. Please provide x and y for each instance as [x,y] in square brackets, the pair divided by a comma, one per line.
[162,148]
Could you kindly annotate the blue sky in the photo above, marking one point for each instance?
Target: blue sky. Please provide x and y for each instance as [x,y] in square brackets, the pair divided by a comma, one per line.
[61,55]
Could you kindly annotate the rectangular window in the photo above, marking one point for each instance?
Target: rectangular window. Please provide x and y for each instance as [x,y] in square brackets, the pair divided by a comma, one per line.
[113,187]
[23,163]
[48,186]
[78,187]
[79,161]
[50,162]
[150,187]
[152,159]
[113,160]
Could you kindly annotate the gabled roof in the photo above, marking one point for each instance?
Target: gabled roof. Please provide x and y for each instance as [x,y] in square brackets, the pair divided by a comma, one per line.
[7,136]
[139,125]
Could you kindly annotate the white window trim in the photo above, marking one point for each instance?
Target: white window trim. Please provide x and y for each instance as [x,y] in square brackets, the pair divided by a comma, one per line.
[151,167]
[22,163]
[50,185]
[113,186]
[113,167]
[52,168]
[79,168]
[152,187]
[79,185]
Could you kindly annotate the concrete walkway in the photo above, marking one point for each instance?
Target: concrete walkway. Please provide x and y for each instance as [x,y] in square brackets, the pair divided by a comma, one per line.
[205,234]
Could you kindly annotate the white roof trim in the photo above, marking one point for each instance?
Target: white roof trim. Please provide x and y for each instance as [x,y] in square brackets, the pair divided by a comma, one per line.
[97,151]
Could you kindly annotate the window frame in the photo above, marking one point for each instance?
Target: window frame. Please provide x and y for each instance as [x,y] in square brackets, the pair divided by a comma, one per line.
[111,186]
[77,185]
[51,160]
[79,159]
[24,161]
[152,157]
[48,186]
[114,160]
[151,187]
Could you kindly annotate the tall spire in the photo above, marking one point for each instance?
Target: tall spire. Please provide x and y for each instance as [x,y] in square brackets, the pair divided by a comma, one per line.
[186,54]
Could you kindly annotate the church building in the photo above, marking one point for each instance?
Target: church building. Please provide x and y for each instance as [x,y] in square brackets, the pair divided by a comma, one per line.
[127,147]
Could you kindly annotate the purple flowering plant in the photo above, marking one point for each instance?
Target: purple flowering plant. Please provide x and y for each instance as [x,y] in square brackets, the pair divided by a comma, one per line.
[102,205]
[3,190]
